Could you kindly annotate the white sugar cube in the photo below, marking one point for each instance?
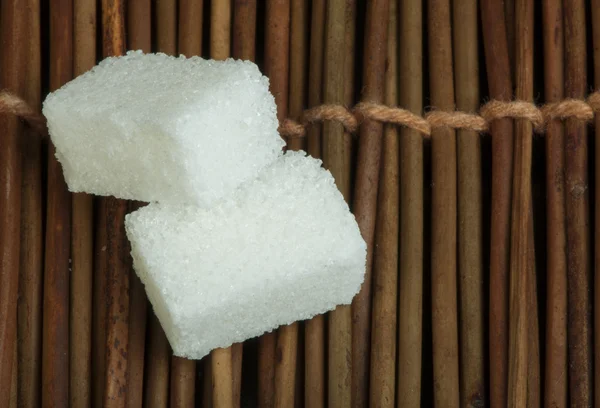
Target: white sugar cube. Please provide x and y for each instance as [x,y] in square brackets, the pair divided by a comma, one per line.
[152,127]
[284,247]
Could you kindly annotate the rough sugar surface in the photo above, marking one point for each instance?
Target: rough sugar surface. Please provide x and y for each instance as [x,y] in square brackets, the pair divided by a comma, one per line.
[156,128]
[284,248]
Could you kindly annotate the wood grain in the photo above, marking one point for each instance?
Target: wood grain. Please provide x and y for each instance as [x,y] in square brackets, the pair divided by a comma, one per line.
[158,357]
[166,25]
[596,55]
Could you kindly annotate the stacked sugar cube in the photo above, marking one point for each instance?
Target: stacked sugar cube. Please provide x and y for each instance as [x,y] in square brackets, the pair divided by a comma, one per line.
[238,238]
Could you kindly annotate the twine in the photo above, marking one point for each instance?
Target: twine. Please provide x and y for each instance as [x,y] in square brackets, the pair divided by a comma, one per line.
[350,119]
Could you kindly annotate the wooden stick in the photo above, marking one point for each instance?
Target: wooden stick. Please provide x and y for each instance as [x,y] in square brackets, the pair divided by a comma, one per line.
[410,307]
[298,64]
[278,53]
[244,29]
[183,371]
[99,312]
[190,27]
[118,261]
[276,68]
[518,346]
[470,216]
[365,193]
[139,30]
[237,354]
[29,313]
[350,38]
[166,26]
[578,256]
[220,30]
[13,398]
[556,299]
[55,354]
[500,86]
[314,343]
[82,238]
[596,47]
[244,47]
[183,382]
[385,268]
[156,394]
[219,376]
[533,364]
[443,216]
[336,157]
[139,25]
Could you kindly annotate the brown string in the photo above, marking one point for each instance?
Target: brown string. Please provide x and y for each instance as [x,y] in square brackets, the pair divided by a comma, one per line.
[351,119]
[12,104]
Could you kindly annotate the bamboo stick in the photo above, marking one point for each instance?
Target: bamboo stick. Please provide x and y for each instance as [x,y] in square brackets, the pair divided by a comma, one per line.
[596,47]
[365,193]
[470,216]
[298,64]
[237,354]
[99,312]
[166,26]
[518,346]
[221,377]
[443,217]
[221,361]
[29,307]
[82,232]
[190,27]
[285,51]
[277,26]
[156,394]
[118,262]
[350,79]
[244,47]
[13,398]
[314,344]
[533,364]
[578,256]
[385,268]
[183,382]
[183,371]
[555,380]
[139,25]
[244,29]
[500,87]
[55,353]
[410,307]
[139,31]
[138,315]
[336,157]
[13,29]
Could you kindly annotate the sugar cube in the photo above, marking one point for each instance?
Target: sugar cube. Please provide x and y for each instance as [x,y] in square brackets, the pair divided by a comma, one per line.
[152,127]
[284,247]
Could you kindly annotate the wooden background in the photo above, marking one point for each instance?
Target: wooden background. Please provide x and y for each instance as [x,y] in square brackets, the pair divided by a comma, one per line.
[482,250]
